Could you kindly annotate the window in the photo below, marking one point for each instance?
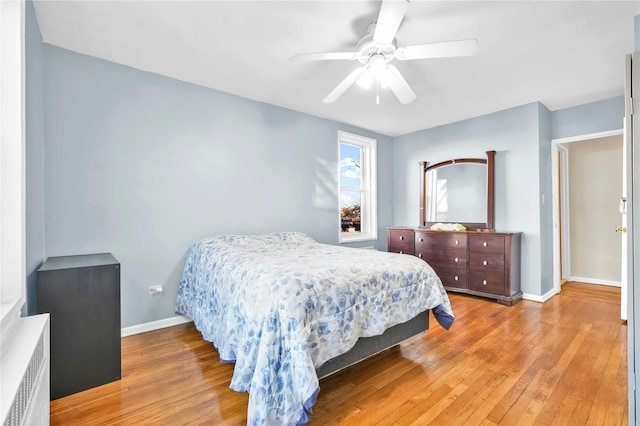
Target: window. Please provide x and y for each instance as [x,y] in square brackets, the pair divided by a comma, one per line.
[358,200]
[12,222]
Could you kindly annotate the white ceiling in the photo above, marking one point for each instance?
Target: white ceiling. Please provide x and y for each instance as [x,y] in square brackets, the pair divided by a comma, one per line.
[561,53]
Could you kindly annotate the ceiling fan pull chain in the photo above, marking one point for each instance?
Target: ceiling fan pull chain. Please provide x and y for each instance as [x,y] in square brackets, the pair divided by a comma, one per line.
[377,92]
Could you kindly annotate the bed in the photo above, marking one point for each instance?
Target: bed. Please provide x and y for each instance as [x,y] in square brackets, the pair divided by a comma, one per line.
[288,310]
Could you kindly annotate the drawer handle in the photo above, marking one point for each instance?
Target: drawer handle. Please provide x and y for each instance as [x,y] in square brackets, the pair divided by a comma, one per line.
[421,239]
[485,263]
[420,255]
[484,282]
[456,259]
[485,244]
[457,242]
[402,237]
[455,278]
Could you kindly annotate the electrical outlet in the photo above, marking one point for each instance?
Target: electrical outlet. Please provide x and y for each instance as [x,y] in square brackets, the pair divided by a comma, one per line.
[155,289]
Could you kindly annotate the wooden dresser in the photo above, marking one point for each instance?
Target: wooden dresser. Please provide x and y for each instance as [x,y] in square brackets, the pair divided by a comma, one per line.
[480,263]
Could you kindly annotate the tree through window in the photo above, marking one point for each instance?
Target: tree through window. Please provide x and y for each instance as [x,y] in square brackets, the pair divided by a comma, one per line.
[357,188]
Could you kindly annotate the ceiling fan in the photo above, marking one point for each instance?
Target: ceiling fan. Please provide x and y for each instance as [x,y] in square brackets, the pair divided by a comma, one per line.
[378,48]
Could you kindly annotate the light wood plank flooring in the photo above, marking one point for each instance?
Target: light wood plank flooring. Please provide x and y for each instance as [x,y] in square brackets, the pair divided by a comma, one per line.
[562,362]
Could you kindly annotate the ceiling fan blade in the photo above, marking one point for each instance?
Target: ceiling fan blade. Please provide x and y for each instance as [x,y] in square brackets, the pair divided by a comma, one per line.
[400,87]
[391,14]
[344,85]
[445,49]
[303,57]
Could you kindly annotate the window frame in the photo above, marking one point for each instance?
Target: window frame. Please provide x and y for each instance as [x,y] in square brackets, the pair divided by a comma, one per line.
[12,161]
[369,199]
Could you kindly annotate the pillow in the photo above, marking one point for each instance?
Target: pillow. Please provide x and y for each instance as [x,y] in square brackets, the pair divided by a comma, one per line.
[275,238]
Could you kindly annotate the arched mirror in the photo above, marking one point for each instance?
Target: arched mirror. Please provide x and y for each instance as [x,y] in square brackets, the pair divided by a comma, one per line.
[458,191]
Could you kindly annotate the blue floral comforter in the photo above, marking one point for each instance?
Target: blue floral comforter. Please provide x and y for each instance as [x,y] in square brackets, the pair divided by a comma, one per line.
[280,305]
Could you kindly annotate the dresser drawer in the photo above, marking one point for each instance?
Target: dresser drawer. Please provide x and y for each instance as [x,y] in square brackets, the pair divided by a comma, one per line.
[433,240]
[452,277]
[486,244]
[482,262]
[456,259]
[401,241]
[486,282]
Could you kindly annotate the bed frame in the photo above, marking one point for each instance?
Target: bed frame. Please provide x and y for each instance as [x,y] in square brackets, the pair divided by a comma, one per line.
[366,347]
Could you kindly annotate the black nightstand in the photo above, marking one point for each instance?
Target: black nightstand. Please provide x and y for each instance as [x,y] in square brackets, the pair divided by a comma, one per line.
[82,294]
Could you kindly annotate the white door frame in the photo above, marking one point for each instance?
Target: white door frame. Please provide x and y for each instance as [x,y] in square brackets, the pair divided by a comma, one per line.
[554,194]
[564,211]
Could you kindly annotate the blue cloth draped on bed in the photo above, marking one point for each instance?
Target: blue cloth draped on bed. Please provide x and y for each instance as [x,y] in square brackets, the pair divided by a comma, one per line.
[280,305]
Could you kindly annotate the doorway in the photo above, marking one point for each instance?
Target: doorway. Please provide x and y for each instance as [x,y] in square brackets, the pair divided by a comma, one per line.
[562,252]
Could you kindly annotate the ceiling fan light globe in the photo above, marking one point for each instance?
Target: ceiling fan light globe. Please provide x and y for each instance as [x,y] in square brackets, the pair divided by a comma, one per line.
[378,67]
[365,80]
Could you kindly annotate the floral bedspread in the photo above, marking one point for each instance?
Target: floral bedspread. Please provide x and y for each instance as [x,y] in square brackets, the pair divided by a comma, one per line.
[280,305]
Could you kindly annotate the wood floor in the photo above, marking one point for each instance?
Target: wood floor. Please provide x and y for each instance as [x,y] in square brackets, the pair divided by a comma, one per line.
[562,362]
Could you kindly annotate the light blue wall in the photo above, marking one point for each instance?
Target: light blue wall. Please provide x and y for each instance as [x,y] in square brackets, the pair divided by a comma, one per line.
[636,27]
[545,199]
[34,180]
[515,135]
[143,166]
[589,118]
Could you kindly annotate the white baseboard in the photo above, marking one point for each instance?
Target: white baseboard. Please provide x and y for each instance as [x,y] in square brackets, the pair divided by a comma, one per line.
[154,325]
[534,297]
[596,281]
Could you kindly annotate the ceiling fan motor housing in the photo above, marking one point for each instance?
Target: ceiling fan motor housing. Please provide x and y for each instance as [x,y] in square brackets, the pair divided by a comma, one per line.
[367,49]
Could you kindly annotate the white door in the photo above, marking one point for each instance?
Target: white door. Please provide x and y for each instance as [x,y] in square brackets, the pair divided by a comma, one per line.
[625,236]
[632,149]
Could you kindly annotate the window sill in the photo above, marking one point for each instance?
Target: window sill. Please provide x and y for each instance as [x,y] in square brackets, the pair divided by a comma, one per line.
[9,315]
[345,239]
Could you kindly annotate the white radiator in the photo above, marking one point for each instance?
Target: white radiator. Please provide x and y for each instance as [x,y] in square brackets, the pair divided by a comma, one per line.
[24,372]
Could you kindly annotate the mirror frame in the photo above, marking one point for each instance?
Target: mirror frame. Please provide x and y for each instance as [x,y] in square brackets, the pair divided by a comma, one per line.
[475,226]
